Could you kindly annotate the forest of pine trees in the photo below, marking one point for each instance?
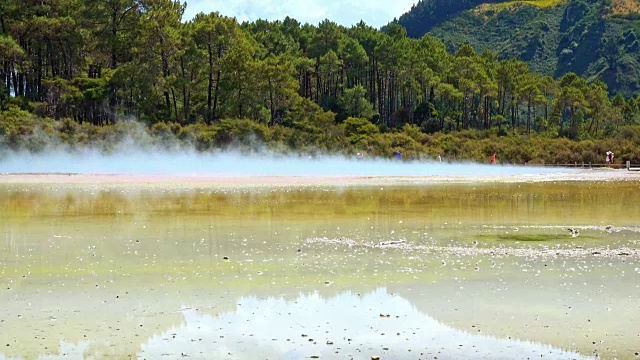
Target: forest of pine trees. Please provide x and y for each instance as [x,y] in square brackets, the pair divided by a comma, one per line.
[74,65]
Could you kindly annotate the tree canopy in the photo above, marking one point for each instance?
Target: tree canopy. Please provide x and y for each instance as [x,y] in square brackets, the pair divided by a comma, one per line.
[98,62]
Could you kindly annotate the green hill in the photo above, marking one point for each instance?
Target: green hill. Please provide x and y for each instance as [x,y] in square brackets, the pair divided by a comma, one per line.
[595,39]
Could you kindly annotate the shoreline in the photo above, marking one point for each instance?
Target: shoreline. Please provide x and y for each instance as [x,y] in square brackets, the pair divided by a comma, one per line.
[313,180]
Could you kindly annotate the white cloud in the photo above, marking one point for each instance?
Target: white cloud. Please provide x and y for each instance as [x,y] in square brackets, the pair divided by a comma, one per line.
[374,12]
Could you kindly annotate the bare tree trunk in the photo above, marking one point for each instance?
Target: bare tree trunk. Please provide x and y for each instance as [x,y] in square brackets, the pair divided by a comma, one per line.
[317,80]
[166,72]
[215,95]
[529,116]
[184,90]
[114,64]
[271,102]
[210,87]
[175,104]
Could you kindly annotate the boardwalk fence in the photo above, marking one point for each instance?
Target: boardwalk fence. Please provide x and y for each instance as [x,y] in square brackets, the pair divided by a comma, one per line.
[627,165]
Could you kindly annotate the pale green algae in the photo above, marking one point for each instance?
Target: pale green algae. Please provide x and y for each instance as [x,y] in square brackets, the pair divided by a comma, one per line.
[105,269]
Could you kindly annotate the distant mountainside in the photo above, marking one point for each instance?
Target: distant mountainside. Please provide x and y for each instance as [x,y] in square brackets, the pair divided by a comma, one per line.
[593,38]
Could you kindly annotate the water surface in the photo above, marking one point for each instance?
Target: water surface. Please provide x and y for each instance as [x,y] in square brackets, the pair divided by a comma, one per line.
[462,271]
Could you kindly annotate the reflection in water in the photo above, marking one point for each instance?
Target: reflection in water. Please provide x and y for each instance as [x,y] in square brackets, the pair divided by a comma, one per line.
[67,351]
[113,265]
[345,326]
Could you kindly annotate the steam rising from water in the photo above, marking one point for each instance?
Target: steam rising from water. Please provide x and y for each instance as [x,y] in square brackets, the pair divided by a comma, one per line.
[131,148]
[192,163]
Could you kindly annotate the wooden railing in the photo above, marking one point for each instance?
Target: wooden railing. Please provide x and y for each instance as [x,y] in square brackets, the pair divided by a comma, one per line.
[627,165]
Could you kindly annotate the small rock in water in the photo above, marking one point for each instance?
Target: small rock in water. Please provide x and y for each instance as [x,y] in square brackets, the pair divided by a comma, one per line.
[375,358]
[329,342]
[225,258]
[391,242]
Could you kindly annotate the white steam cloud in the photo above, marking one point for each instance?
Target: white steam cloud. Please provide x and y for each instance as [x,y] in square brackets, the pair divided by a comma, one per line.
[231,163]
[133,149]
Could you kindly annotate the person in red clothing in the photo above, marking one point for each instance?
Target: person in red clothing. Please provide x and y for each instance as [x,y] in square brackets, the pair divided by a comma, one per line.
[493,158]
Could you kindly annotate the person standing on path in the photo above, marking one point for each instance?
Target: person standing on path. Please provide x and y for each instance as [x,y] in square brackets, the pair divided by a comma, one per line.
[609,157]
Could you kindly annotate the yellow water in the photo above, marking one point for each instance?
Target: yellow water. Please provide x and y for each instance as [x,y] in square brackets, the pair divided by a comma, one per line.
[92,271]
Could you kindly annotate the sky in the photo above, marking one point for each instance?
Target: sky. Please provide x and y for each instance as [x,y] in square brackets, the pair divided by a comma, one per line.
[345,12]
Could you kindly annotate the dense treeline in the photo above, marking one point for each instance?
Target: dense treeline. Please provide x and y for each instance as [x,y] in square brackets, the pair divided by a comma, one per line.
[26,131]
[426,14]
[596,39]
[92,63]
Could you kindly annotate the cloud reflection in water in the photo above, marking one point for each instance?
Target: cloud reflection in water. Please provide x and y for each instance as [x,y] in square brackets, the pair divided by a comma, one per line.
[344,326]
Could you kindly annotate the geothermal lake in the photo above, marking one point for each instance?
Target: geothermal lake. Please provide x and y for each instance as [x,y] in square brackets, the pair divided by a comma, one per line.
[325,270]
